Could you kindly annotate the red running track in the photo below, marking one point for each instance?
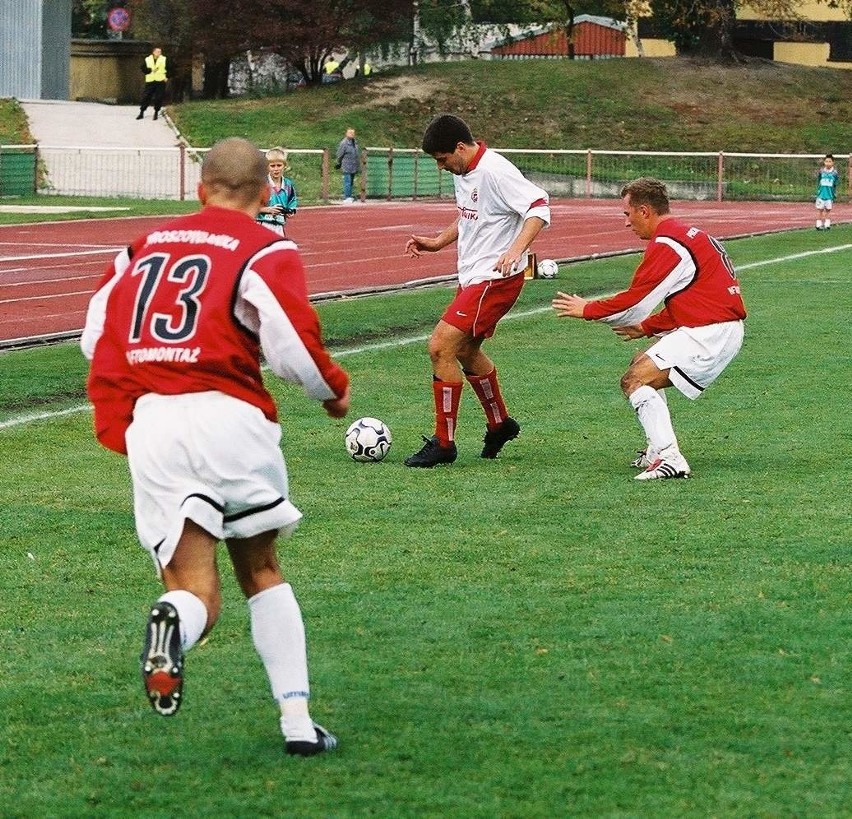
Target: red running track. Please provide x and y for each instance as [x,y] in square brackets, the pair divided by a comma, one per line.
[49,270]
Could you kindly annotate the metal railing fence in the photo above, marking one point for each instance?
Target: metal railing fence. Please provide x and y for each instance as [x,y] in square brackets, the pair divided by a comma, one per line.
[405,173]
[134,173]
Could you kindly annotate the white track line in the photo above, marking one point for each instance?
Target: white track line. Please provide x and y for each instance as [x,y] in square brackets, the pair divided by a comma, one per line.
[20,420]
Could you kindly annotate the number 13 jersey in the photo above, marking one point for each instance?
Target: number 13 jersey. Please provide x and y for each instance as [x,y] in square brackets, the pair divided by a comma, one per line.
[189,307]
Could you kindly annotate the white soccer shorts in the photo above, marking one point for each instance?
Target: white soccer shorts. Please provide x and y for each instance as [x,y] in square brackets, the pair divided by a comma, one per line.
[208,457]
[696,356]
[823,204]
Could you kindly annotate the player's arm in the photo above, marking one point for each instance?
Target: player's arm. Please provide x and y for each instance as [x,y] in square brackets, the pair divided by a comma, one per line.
[629,331]
[656,325]
[430,244]
[659,323]
[661,272]
[507,263]
[569,305]
[289,328]
[96,312]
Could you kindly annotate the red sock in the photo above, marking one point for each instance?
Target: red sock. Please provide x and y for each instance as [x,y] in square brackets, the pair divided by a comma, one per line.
[447,397]
[487,390]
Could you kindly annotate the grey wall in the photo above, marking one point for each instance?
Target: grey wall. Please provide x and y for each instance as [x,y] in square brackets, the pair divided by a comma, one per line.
[35,48]
[55,49]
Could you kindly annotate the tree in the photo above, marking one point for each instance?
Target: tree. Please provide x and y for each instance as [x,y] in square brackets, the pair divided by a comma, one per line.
[443,20]
[613,8]
[697,26]
[89,19]
[169,24]
[304,34]
[705,28]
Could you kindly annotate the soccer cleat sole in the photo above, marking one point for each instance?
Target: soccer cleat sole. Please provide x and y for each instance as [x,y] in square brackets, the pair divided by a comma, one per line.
[432,455]
[496,439]
[162,660]
[326,741]
[662,470]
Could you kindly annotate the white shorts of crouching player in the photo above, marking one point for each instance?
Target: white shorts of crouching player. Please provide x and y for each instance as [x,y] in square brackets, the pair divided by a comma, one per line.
[208,457]
[696,356]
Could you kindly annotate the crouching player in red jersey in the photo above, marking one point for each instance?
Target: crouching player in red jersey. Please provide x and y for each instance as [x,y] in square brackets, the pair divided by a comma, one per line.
[174,333]
[700,326]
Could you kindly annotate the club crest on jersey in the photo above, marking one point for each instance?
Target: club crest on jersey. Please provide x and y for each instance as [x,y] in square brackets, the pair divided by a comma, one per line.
[474,195]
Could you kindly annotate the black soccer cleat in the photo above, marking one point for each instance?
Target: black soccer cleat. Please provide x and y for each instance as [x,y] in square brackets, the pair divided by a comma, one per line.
[162,660]
[432,454]
[326,741]
[496,439]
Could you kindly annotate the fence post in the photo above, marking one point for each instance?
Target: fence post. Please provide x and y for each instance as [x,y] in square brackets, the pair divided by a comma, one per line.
[182,165]
[416,157]
[35,169]
[720,175]
[589,174]
[390,173]
[324,191]
[849,178]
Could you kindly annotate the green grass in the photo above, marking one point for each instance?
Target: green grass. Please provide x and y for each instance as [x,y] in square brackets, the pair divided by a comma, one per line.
[533,636]
[670,104]
[123,207]
[14,128]
[642,104]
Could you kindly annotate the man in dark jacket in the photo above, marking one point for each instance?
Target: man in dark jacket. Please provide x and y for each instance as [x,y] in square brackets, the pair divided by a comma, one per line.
[348,162]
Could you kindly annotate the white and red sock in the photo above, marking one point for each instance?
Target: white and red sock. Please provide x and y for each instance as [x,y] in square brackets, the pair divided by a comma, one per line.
[487,389]
[447,395]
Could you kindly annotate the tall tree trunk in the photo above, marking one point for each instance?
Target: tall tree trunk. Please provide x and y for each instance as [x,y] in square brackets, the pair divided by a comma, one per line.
[216,79]
[716,39]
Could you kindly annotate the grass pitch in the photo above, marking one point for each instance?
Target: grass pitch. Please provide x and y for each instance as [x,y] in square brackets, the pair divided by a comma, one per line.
[533,636]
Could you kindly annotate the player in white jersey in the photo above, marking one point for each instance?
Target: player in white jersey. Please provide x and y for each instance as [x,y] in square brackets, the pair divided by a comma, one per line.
[499,214]
[175,333]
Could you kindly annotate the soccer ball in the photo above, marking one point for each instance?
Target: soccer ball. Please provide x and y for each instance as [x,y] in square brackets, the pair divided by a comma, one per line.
[368,439]
[547,269]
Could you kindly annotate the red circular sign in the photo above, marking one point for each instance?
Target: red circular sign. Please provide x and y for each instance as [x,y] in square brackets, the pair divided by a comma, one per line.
[118,19]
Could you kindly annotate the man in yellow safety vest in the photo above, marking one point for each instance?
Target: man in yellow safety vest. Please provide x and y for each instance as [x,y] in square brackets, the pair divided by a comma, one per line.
[154,69]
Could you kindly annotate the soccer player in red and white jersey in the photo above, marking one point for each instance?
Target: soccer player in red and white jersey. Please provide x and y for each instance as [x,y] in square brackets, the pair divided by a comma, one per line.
[174,333]
[499,214]
[700,325]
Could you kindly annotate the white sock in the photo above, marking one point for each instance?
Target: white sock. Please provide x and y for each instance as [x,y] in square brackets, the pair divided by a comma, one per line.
[192,614]
[819,223]
[653,414]
[279,637]
[827,223]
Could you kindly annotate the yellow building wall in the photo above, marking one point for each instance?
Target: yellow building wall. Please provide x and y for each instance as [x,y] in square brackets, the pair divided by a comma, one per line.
[651,48]
[813,54]
[809,10]
[107,71]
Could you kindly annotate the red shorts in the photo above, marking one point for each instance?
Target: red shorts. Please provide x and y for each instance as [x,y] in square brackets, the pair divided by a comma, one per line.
[477,308]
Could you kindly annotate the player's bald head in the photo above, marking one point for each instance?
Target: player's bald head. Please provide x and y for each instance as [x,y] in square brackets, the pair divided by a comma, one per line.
[234,172]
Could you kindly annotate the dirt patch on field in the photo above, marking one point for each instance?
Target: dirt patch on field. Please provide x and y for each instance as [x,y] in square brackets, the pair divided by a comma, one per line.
[393,91]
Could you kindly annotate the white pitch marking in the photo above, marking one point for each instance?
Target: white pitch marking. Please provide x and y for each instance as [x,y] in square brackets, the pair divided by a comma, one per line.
[20,420]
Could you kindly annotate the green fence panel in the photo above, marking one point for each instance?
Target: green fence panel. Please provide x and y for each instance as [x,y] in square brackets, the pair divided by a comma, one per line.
[17,173]
[405,176]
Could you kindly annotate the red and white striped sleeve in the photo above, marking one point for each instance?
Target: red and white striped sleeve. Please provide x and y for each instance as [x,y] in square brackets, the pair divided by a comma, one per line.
[273,284]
